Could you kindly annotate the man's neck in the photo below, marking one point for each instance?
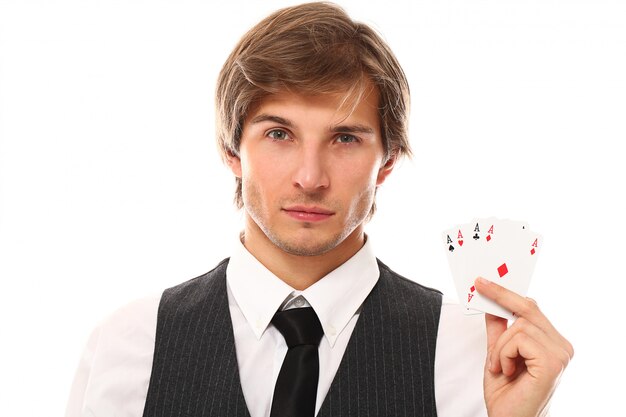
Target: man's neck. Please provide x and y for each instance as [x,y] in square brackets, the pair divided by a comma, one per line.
[299,271]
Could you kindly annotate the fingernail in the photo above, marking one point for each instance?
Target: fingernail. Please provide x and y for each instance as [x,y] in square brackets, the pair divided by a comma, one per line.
[483,281]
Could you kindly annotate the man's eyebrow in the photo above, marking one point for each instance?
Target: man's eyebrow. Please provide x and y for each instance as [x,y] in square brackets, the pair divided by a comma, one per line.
[270,118]
[355,128]
[352,128]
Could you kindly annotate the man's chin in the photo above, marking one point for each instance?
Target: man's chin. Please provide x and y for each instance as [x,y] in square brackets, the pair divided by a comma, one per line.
[306,246]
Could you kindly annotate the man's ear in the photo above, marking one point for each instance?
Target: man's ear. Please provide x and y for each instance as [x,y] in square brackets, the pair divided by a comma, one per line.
[386,168]
[234,163]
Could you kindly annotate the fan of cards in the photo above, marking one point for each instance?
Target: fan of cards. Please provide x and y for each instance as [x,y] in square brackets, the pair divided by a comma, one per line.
[500,250]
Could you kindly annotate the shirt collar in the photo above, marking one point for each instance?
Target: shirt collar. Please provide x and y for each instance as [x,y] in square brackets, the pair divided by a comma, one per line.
[335,298]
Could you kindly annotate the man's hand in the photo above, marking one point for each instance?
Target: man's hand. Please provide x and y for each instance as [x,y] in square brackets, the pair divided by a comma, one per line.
[525,360]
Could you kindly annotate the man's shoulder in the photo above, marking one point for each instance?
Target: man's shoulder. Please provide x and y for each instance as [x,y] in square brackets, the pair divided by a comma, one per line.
[208,279]
[130,329]
[406,283]
[133,323]
[193,293]
[406,294]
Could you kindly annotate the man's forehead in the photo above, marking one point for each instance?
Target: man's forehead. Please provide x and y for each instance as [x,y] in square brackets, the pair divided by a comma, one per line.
[347,104]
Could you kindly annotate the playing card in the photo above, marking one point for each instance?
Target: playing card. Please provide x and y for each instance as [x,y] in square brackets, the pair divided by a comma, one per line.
[501,250]
[509,264]
[486,233]
[455,243]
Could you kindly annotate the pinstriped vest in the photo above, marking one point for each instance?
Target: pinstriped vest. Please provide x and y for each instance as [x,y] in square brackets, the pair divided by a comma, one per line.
[387,369]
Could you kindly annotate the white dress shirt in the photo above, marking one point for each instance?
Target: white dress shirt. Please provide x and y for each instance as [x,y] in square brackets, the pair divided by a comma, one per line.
[114,372]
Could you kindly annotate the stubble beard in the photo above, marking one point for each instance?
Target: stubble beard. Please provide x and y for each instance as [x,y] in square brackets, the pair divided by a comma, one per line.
[358,213]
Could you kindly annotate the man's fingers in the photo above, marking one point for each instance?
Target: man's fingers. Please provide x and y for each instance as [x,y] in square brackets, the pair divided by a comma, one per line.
[522,307]
[524,327]
[520,347]
[531,333]
[515,303]
[496,326]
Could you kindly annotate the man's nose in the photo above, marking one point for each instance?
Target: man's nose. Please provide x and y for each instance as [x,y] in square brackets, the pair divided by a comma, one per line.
[311,172]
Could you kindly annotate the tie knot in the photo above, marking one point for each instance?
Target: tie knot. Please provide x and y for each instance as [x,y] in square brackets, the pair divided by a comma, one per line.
[299,326]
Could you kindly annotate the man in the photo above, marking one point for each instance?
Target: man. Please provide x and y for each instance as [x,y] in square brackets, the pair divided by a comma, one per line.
[312,113]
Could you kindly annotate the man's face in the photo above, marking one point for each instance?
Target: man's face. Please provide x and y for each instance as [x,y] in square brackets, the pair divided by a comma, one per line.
[309,170]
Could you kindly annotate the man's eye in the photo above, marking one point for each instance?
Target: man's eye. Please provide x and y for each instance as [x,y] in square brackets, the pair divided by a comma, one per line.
[346,139]
[277,134]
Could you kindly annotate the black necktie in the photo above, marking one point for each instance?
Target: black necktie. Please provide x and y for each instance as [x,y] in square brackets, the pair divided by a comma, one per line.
[296,386]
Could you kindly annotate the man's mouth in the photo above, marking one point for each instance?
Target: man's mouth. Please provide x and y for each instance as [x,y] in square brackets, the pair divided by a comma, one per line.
[308,213]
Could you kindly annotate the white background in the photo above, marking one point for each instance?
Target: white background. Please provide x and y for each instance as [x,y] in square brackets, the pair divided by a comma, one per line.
[111,187]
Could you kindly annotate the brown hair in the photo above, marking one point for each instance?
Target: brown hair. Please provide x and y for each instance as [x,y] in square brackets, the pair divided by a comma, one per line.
[313,48]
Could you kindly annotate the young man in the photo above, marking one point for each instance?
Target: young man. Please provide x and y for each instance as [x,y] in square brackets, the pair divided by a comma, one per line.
[311,115]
